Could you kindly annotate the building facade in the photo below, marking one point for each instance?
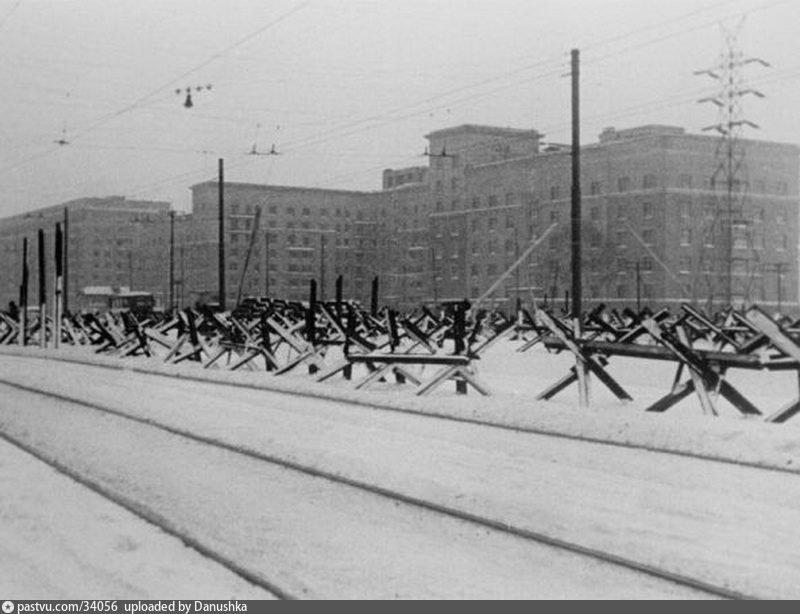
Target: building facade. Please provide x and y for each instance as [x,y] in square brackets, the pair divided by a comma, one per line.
[664,221]
[110,242]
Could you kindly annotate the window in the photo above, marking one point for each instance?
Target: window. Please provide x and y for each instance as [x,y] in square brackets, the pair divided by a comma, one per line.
[739,236]
[646,264]
[685,182]
[622,211]
[649,182]
[555,192]
[594,213]
[647,210]
[493,202]
[648,236]
[595,188]
[685,265]
[623,184]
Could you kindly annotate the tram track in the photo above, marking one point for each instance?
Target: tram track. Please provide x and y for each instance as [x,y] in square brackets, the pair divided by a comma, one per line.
[431,414]
[395,496]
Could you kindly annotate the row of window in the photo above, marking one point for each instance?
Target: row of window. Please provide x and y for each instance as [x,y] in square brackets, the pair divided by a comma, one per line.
[685,182]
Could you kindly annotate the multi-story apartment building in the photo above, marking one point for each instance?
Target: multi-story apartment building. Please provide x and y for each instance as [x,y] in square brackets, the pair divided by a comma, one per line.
[301,234]
[663,222]
[111,243]
[660,221]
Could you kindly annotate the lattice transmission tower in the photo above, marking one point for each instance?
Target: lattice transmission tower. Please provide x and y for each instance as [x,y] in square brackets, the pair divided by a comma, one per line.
[728,257]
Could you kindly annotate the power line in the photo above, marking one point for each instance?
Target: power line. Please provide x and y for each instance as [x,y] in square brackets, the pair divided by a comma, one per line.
[142,99]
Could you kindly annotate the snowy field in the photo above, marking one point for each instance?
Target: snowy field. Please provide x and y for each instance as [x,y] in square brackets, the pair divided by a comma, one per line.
[516,378]
[728,524]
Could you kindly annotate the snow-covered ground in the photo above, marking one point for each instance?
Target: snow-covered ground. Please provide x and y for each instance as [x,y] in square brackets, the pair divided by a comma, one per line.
[726,524]
[310,537]
[516,378]
[59,540]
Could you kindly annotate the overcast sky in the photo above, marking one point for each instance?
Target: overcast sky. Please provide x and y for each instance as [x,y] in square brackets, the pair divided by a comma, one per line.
[345,88]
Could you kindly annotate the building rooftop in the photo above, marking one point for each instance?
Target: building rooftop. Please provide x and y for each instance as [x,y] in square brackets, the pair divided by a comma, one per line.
[482,129]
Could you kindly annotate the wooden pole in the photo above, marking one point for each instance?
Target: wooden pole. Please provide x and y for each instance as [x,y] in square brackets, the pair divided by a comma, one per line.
[575,218]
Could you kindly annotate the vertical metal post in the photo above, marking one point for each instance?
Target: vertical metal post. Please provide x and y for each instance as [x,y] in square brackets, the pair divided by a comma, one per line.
[65,263]
[518,302]
[339,286]
[42,293]
[23,296]
[183,276]
[171,307]
[221,237]
[638,287]
[373,308]
[266,263]
[433,276]
[322,267]
[58,302]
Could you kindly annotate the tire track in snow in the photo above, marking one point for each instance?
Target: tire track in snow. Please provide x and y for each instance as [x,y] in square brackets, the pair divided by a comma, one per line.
[485,522]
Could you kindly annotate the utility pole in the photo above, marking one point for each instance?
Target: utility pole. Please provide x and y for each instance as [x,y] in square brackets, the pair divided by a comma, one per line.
[221,237]
[575,210]
[581,368]
[171,261]
[638,287]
